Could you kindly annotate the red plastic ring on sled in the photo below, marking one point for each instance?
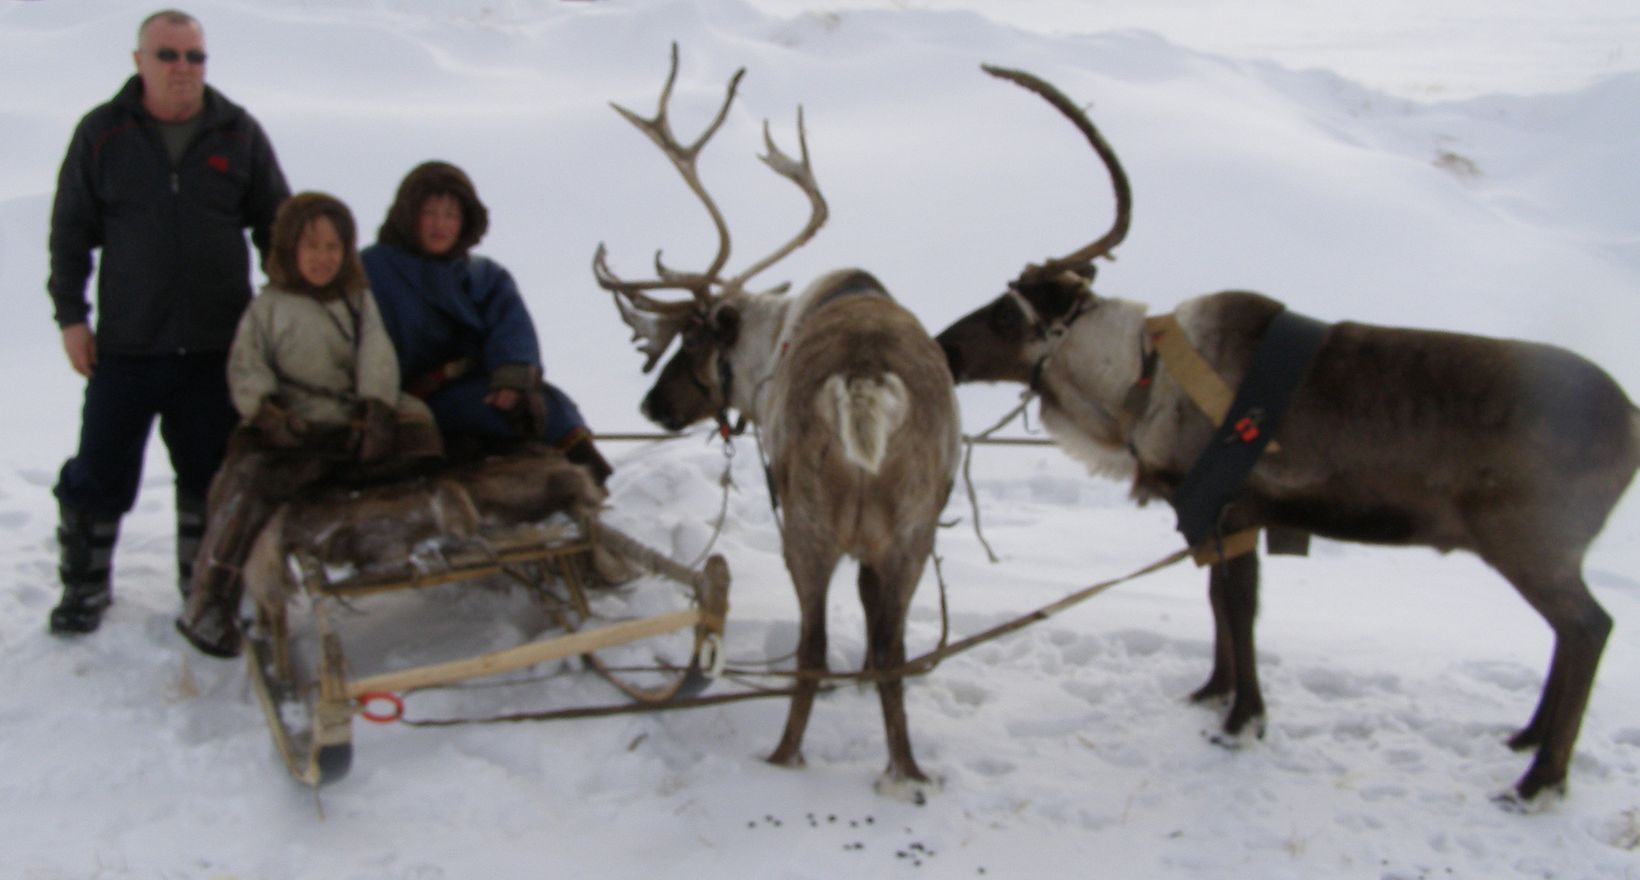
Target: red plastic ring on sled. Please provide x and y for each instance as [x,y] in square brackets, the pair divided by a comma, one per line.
[365,700]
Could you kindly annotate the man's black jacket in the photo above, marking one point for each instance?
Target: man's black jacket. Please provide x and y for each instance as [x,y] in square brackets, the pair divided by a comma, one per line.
[175,269]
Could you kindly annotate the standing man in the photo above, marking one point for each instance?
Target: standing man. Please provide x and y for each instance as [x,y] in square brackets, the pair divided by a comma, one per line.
[164,179]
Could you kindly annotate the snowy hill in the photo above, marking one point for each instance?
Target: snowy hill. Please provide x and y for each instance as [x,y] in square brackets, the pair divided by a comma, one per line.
[1067,750]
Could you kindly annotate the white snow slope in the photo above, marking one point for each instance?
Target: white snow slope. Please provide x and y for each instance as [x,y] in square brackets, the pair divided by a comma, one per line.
[1289,149]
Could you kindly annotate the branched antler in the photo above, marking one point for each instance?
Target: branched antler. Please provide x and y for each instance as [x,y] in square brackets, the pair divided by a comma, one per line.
[1102,246]
[655,323]
[802,174]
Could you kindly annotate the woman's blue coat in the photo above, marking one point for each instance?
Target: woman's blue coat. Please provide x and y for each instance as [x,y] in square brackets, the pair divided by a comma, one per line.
[437,311]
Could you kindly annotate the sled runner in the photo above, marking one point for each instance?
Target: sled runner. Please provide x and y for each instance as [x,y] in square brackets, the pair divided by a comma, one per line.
[528,520]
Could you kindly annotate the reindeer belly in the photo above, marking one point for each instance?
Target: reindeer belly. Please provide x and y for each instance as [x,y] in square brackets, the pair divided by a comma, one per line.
[1391,501]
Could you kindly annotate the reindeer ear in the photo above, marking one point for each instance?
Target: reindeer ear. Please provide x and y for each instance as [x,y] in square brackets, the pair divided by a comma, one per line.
[1059,296]
[725,324]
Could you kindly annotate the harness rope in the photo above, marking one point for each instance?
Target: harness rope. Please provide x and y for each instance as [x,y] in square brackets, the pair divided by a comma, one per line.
[969,441]
[920,665]
[726,481]
[917,666]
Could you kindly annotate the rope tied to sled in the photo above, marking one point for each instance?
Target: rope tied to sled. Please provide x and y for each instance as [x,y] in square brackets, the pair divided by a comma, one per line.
[917,666]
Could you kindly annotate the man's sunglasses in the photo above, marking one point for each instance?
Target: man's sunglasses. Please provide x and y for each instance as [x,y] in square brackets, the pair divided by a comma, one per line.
[169,56]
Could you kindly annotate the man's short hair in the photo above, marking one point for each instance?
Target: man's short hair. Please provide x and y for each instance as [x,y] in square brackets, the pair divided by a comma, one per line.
[169,16]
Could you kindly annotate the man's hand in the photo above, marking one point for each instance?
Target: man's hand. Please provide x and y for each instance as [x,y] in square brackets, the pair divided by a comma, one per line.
[81,348]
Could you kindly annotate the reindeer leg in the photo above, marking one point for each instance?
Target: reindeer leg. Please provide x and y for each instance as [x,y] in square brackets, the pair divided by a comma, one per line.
[810,577]
[885,594]
[1220,681]
[1240,580]
[1531,736]
[1581,628]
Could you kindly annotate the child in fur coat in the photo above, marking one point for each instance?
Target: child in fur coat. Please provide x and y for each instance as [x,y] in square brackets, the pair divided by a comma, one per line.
[316,379]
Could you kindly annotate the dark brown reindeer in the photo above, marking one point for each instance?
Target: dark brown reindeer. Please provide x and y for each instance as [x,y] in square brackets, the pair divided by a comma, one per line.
[856,410]
[1512,450]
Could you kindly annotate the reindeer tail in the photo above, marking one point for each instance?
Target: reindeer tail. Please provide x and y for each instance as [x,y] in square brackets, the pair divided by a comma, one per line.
[865,412]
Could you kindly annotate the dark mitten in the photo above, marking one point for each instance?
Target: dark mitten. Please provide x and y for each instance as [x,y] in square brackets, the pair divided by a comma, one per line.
[277,427]
[377,430]
[529,415]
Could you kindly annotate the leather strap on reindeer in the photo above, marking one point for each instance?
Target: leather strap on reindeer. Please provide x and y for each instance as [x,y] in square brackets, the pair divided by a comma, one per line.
[1246,420]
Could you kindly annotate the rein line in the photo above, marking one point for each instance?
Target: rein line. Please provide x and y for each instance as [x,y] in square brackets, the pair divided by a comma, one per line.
[917,666]
[920,665]
[926,663]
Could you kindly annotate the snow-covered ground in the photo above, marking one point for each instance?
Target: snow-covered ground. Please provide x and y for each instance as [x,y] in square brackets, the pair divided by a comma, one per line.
[1463,165]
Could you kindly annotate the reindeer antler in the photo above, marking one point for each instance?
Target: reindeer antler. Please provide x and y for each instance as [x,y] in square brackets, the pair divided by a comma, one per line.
[656,322]
[1102,246]
[802,174]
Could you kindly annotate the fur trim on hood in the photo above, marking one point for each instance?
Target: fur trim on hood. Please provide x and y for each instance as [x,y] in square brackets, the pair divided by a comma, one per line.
[401,229]
[294,216]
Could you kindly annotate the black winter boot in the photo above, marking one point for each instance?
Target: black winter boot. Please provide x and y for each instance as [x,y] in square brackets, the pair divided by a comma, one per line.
[583,453]
[86,546]
[190,531]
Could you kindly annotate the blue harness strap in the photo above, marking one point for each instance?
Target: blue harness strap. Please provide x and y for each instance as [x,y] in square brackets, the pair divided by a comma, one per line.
[1280,362]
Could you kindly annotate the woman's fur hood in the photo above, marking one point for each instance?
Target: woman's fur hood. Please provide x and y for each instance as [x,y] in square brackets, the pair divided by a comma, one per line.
[401,229]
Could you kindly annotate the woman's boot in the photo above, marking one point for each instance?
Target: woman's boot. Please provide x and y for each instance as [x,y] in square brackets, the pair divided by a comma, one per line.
[210,622]
[583,453]
[210,617]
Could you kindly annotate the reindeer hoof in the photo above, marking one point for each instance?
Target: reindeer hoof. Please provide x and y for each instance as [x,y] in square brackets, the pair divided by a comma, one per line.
[1534,792]
[906,789]
[1511,800]
[793,760]
[1250,730]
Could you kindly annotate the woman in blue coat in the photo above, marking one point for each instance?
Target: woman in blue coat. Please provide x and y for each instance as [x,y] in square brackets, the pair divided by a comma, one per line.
[465,341]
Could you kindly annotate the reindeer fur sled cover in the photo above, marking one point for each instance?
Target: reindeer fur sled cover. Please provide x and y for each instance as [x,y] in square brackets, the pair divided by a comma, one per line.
[381,529]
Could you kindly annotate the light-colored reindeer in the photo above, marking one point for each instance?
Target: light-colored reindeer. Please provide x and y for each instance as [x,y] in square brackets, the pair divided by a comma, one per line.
[1512,450]
[855,406]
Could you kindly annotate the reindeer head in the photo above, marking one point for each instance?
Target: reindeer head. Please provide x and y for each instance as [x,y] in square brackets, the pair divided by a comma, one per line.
[1006,340]
[698,381]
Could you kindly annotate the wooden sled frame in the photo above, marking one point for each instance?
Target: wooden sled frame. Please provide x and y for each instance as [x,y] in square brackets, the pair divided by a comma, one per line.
[559,549]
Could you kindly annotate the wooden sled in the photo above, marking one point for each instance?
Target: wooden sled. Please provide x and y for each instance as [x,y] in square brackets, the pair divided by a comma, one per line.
[453,530]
